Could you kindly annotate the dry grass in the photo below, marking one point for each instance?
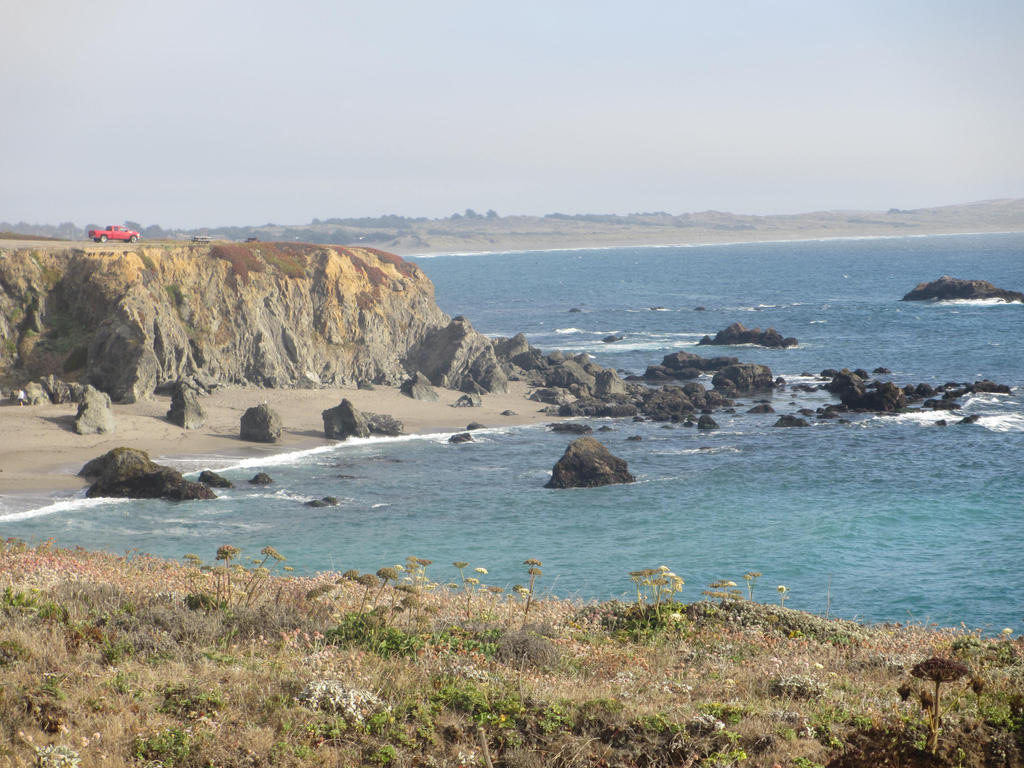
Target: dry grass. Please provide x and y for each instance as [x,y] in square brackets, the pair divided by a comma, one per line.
[102,656]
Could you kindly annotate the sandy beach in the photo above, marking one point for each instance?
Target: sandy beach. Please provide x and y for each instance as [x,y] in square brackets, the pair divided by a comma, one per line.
[41,453]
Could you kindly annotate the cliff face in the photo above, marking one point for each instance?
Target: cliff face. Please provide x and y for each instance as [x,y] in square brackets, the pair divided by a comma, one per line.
[270,314]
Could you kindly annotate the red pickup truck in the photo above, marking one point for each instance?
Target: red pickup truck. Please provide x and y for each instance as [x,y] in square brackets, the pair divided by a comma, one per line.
[113,232]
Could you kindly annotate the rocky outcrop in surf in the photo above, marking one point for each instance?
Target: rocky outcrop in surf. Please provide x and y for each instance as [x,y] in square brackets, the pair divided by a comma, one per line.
[587,463]
[737,334]
[947,288]
[130,473]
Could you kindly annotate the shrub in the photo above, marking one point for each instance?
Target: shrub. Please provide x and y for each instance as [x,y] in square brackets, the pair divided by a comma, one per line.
[524,648]
[370,632]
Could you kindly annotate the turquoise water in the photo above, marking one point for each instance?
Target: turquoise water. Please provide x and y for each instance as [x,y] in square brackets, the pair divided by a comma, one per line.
[885,519]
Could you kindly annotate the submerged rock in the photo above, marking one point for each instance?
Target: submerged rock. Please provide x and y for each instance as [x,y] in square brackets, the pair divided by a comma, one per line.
[586,463]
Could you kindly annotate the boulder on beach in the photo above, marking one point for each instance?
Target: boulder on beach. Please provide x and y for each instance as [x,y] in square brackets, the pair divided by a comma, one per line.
[946,288]
[418,387]
[261,424]
[94,414]
[737,334]
[345,420]
[586,463]
[129,473]
[185,410]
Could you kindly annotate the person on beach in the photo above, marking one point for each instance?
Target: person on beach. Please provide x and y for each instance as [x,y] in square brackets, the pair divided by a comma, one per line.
[22,397]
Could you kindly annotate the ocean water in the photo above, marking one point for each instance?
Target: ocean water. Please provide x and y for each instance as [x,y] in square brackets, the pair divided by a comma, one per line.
[888,518]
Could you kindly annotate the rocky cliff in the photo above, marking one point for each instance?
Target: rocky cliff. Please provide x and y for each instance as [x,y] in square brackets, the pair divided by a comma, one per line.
[270,314]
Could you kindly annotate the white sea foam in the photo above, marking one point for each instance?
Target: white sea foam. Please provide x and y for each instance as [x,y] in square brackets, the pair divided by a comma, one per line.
[56,507]
[569,330]
[1006,422]
[971,303]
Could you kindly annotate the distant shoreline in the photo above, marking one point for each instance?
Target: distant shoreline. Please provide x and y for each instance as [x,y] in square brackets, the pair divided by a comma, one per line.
[713,244]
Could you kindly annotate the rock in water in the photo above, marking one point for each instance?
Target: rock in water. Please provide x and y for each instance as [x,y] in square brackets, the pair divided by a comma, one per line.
[260,478]
[94,414]
[261,424]
[185,410]
[461,437]
[947,287]
[213,480]
[129,473]
[744,378]
[586,463]
[343,421]
[790,421]
[737,334]
[418,388]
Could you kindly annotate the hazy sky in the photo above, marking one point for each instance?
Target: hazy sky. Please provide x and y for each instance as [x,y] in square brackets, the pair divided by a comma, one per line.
[216,112]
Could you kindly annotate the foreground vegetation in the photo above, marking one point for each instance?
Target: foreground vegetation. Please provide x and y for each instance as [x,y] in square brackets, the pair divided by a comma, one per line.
[111,661]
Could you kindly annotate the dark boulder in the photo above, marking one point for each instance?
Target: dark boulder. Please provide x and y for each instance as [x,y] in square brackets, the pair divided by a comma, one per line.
[418,388]
[667,404]
[185,410]
[946,288]
[570,428]
[990,386]
[384,425]
[743,379]
[856,395]
[611,339]
[128,473]
[737,334]
[326,501]
[586,463]
[762,408]
[117,462]
[461,437]
[344,421]
[790,421]
[468,401]
[213,480]
[261,424]
[972,419]
[706,422]
[260,478]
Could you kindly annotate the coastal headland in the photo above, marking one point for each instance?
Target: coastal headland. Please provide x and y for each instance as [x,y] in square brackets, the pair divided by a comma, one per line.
[299,327]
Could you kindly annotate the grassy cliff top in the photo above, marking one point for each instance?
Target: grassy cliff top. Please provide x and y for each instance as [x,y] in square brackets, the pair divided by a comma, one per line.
[112,661]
